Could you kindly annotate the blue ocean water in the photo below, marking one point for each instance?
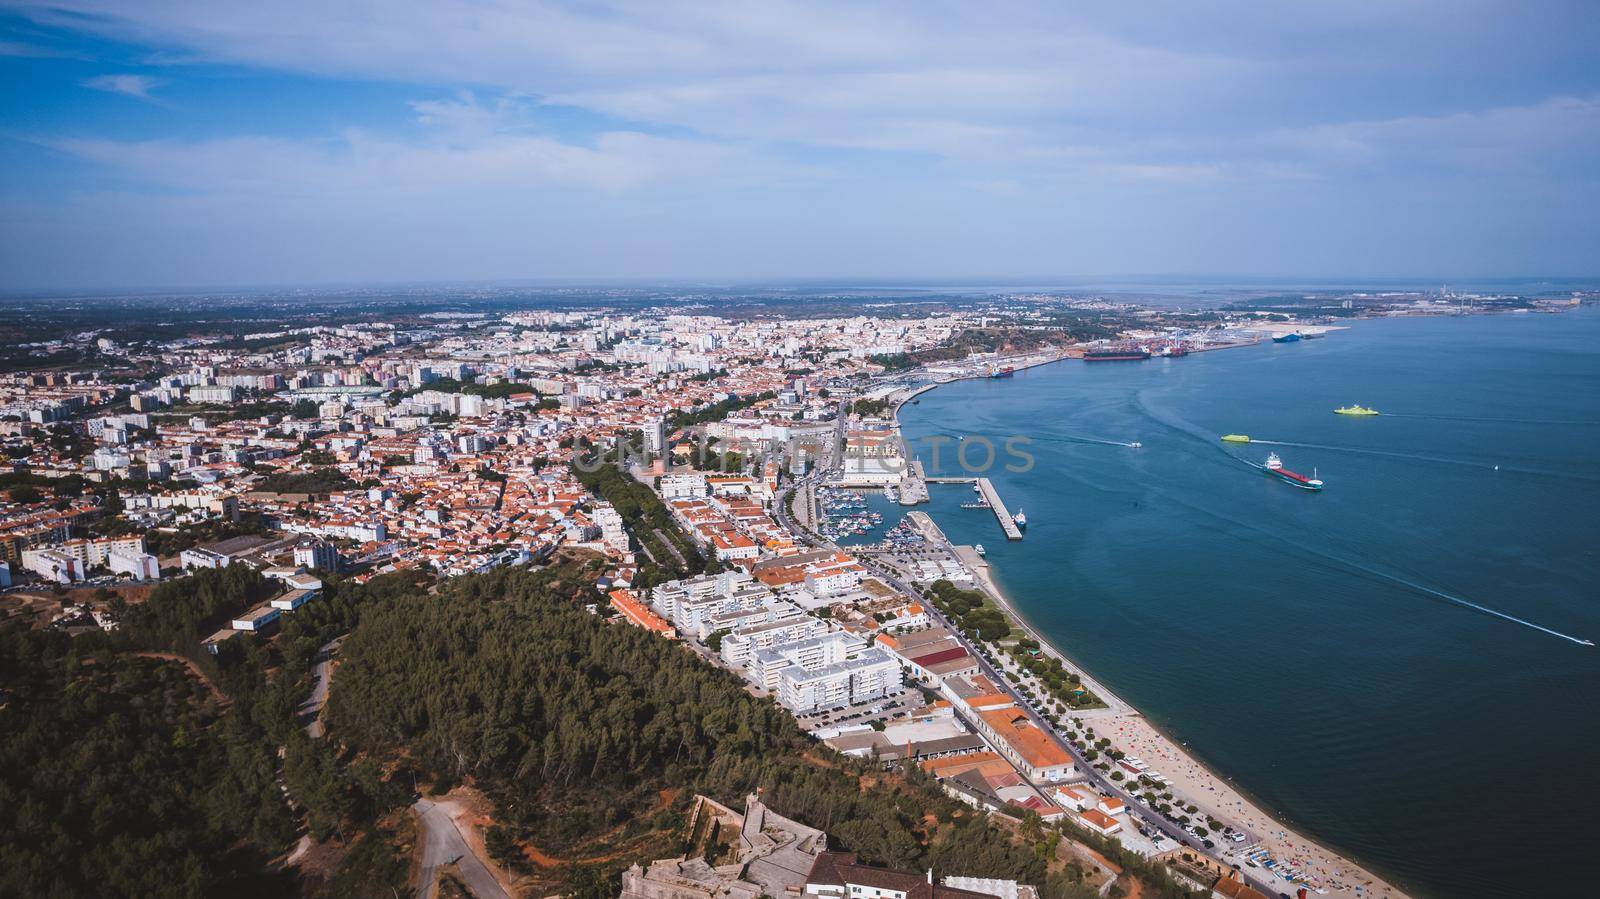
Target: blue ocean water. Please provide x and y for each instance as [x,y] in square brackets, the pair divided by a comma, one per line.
[1306,644]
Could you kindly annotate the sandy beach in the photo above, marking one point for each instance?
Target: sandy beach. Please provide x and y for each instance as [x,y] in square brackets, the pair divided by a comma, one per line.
[1131,733]
[1138,738]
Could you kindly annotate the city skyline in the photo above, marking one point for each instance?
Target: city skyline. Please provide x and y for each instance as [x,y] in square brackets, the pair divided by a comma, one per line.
[187,145]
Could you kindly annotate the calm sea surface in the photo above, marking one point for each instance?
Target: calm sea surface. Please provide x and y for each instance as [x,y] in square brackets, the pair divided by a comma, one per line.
[1303,643]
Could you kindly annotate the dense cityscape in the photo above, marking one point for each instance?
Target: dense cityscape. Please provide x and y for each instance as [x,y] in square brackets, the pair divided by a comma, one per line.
[604,449]
[239,501]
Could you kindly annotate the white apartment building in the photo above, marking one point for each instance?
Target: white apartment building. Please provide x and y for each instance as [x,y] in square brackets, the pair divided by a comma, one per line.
[739,646]
[202,558]
[53,565]
[139,565]
[317,554]
[827,671]
[612,533]
[770,611]
[211,394]
[684,486]
[98,552]
[691,604]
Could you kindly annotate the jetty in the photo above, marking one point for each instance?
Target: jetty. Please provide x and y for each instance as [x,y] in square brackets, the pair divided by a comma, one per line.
[991,497]
[998,506]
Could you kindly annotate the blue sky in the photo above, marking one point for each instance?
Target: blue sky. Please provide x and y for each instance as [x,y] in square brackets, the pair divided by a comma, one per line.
[212,142]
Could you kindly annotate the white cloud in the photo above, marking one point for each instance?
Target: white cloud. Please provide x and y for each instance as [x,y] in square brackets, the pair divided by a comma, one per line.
[137,86]
[468,144]
[952,80]
[1172,91]
[970,135]
[1560,133]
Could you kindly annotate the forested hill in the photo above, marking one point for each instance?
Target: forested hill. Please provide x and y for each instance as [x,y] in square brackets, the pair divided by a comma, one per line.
[506,679]
[133,763]
[591,736]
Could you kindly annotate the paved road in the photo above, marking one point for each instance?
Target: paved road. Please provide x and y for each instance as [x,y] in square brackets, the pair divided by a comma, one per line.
[1101,781]
[443,844]
[310,711]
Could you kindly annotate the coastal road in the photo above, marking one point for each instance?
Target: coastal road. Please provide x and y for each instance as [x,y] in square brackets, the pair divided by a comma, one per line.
[443,844]
[1101,782]
[1136,809]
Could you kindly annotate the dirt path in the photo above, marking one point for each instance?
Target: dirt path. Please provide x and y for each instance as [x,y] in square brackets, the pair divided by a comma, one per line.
[185,661]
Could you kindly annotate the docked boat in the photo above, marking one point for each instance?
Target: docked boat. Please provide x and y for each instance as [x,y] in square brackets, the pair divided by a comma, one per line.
[978,548]
[1274,467]
[1125,353]
[1235,438]
[1356,410]
[1291,337]
[1019,519]
[1005,372]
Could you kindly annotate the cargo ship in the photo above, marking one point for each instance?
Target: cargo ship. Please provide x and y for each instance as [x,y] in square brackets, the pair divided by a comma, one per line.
[1117,354]
[1291,337]
[1235,438]
[1355,410]
[1006,372]
[1275,467]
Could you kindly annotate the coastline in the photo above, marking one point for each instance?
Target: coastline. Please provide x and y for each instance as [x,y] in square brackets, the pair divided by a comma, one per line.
[1130,731]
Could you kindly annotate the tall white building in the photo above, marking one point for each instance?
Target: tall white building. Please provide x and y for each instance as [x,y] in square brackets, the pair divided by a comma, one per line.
[612,533]
[317,554]
[655,437]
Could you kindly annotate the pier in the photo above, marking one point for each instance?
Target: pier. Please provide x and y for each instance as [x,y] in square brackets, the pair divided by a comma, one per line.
[990,496]
[998,506]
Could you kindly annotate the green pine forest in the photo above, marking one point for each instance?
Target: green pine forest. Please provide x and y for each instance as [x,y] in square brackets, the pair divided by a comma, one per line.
[133,763]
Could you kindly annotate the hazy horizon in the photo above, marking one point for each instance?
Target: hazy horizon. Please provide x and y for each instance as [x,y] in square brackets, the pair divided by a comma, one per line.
[1106,285]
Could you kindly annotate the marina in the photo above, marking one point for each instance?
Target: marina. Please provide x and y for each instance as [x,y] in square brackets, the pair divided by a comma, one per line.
[846,513]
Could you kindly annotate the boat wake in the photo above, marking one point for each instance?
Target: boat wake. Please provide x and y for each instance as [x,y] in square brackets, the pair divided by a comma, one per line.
[1382,575]
[1338,560]
[1419,457]
[1074,438]
[1481,608]
[1502,421]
